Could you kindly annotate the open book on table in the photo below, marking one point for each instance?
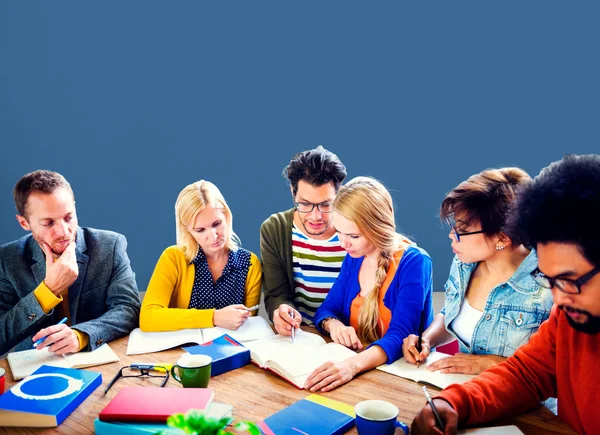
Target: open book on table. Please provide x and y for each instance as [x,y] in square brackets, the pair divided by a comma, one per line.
[24,363]
[295,361]
[254,328]
[407,370]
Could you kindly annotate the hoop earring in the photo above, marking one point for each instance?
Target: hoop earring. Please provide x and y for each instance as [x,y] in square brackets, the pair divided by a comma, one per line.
[500,247]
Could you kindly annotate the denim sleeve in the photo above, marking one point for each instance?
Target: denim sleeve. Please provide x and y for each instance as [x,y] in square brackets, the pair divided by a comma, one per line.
[334,303]
[413,285]
[443,310]
[453,274]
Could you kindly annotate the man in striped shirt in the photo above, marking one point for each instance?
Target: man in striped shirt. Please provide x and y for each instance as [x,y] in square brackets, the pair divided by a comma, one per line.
[300,250]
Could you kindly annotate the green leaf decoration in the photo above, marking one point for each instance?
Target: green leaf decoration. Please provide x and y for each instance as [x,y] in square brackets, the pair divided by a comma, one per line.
[195,422]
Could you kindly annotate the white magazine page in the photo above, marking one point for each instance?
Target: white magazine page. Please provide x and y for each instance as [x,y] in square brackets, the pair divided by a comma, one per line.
[404,369]
[281,349]
[148,342]
[254,328]
[302,365]
[102,355]
[24,363]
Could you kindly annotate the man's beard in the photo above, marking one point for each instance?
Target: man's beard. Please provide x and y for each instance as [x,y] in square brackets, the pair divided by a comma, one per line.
[310,232]
[591,325]
[40,241]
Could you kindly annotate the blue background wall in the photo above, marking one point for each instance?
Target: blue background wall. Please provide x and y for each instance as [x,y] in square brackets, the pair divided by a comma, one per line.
[131,101]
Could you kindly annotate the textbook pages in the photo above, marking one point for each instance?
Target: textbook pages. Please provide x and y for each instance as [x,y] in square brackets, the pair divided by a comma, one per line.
[24,363]
[295,361]
[404,369]
[254,328]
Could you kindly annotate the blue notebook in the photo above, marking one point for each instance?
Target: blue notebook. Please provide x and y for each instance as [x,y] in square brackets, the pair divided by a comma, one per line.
[313,415]
[227,354]
[47,396]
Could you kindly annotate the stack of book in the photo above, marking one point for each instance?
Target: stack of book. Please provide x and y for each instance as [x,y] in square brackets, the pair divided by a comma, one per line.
[47,397]
[226,353]
[145,410]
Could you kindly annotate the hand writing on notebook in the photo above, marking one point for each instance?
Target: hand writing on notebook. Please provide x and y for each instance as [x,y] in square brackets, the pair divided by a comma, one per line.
[231,317]
[331,375]
[60,339]
[284,322]
[409,349]
[425,421]
[342,334]
[465,363]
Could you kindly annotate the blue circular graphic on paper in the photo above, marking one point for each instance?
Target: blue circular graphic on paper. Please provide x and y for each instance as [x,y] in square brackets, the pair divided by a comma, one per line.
[47,386]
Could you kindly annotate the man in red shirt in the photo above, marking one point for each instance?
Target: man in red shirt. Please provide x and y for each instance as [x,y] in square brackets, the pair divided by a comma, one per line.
[559,214]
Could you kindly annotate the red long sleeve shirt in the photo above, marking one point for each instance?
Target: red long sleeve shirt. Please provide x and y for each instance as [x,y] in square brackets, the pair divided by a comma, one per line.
[558,361]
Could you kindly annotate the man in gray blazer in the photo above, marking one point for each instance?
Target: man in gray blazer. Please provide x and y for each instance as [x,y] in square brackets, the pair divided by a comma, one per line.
[61,270]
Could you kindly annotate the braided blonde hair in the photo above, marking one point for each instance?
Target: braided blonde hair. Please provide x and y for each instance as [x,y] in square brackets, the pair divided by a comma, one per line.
[367,203]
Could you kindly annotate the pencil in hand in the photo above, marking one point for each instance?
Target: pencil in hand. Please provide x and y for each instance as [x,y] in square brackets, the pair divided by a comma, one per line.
[419,350]
[438,418]
[291,314]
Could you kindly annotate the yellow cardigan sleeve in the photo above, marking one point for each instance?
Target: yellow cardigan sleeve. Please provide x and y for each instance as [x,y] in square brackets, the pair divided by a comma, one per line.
[46,298]
[172,275]
[83,338]
[253,283]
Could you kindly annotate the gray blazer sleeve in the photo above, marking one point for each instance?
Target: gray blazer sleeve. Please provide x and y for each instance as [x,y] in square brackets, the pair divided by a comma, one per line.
[122,300]
[19,317]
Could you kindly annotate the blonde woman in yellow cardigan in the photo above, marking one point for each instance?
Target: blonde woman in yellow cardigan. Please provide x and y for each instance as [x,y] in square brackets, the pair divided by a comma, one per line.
[206,279]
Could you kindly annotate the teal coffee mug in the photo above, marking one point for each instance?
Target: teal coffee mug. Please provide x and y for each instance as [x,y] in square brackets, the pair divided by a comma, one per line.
[192,371]
[377,417]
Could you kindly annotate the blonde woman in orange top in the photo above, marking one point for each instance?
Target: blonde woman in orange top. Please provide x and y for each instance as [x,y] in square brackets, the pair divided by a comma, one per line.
[383,291]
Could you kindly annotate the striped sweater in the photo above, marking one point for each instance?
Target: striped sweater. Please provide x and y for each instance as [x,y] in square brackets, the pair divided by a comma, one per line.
[316,265]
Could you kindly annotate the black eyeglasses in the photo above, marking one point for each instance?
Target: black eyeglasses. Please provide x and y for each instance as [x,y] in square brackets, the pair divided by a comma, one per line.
[307,207]
[565,285]
[140,370]
[457,234]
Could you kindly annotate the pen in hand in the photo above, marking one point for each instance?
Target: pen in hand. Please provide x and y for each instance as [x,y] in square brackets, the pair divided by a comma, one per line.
[434,409]
[291,314]
[37,343]
[420,339]
[419,350]
[255,307]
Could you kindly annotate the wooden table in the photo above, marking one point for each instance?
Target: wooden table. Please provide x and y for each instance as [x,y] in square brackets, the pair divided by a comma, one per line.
[256,394]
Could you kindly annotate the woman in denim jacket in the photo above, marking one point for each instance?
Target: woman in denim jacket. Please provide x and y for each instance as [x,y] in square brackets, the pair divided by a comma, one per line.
[493,305]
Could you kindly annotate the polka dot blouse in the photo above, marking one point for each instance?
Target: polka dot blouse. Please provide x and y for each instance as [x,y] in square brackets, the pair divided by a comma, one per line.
[229,289]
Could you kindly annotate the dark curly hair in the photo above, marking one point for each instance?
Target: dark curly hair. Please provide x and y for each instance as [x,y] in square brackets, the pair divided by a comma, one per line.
[486,198]
[37,181]
[316,167]
[562,205]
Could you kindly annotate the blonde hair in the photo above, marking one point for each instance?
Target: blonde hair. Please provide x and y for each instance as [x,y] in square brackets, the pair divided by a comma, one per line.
[192,200]
[367,203]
